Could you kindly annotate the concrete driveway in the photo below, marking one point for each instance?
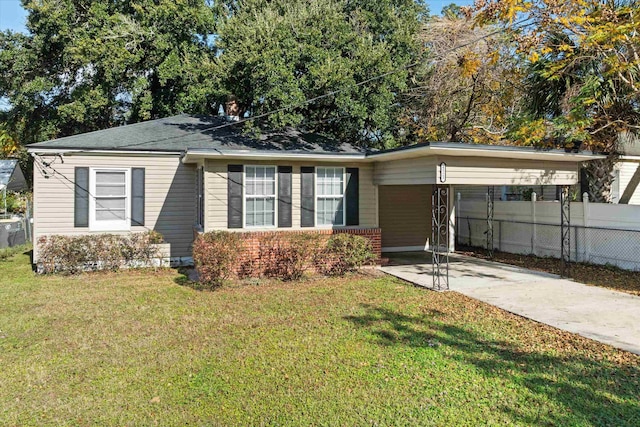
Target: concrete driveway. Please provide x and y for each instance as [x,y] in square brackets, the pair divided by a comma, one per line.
[603,315]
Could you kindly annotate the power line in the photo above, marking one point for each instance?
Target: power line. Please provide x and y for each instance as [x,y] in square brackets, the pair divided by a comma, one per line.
[49,165]
[42,166]
[333,92]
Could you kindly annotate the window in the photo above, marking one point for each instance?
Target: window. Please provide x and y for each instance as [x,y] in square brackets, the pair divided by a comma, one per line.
[330,196]
[260,196]
[110,205]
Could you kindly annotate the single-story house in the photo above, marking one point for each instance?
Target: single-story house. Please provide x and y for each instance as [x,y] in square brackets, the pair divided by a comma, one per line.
[185,173]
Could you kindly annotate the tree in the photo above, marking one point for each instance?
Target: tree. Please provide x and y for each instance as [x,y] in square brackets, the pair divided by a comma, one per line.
[584,74]
[463,94]
[276,55]
[88,64]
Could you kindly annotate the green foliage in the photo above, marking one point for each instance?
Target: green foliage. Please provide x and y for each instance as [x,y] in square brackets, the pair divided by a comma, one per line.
[90,65]
[6,253]
[347,253]
[16,202]
[280,53]
[75,254]
[216,255]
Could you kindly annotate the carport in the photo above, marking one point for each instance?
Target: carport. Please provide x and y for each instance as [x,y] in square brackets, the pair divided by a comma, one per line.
[416,205]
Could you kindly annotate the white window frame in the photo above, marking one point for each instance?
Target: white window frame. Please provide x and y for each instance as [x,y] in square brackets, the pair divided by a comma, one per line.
[245,196]
[115,225]
[344,199]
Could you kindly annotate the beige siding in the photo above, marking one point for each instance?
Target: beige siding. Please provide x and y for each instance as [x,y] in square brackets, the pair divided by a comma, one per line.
[216,191]
[169,197]
[421,170]
[488,171]
[479,192]
[405,215]
[627,170]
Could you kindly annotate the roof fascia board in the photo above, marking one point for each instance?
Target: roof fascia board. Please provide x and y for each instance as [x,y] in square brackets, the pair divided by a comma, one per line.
[453,149]
[630,158]
[194,155]
[73,151]
[556,155]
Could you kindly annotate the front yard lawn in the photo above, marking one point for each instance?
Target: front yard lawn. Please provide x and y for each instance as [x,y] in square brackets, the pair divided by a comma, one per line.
[139,348]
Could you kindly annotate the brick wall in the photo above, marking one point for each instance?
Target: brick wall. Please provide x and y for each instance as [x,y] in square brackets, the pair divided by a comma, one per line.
[251,255]
[252,238]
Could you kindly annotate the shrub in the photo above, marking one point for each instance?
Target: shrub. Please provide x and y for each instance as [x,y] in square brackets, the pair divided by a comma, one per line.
[345,253]
[216,255]
[286,256]
[74,254]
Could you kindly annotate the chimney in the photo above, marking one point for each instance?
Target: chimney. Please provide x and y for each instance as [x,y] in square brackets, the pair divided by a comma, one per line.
[232,109]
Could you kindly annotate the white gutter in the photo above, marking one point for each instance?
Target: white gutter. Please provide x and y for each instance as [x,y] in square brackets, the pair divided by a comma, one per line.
[71,151]
[453,149]
[630,158]
[433,149]
[194,155]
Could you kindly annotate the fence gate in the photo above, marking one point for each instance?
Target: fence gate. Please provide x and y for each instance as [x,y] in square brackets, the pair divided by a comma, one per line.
[440,236]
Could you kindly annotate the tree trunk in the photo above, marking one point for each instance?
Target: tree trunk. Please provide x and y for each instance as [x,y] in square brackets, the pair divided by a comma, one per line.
[600,178]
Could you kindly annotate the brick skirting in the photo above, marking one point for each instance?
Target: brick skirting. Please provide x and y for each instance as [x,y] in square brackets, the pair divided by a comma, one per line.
[251,259]
[252,238]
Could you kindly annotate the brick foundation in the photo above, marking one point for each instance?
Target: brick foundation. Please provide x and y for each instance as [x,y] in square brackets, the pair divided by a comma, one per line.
[252,239]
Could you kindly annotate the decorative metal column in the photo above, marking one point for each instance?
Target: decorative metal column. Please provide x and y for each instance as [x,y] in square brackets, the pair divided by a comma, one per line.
[565,232]
[490,195]
[440,236]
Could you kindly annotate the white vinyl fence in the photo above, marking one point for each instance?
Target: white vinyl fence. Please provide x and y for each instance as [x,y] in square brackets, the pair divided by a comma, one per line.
[600,233]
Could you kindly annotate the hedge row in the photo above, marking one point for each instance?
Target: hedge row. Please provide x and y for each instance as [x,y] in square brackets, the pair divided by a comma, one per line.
[220,255]
[74,254]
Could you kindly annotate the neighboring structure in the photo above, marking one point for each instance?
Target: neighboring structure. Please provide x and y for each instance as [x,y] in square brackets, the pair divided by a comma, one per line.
[626,186]
[11,176]
[186,173]
[11,179]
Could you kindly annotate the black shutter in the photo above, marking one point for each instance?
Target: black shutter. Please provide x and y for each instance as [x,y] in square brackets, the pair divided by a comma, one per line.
[284,196]
[137,196]
[200,186]
[234,195]
[307,195]
[352,196]
[81,198]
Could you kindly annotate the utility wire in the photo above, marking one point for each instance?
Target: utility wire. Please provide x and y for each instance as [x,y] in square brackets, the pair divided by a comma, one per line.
[42,166]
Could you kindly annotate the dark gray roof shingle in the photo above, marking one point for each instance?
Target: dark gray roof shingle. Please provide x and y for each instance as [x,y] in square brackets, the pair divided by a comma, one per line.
[179,133]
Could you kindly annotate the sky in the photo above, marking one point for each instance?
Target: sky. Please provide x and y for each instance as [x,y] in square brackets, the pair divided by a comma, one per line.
[13,16]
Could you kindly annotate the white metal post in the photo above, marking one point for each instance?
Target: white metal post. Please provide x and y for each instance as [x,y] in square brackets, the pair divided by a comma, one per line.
[585,212]
[534,228]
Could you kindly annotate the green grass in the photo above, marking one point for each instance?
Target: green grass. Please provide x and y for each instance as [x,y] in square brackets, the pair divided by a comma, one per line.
[9,252]
[138,348]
